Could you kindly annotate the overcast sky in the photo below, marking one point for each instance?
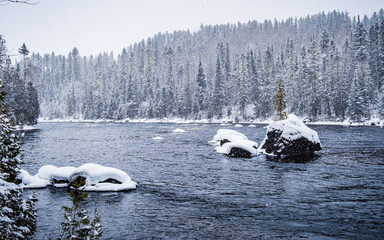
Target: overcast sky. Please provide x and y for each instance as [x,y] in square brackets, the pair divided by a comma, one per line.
[95,26]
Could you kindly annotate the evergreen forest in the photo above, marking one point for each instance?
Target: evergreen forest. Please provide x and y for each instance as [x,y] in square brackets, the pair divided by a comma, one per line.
[331,65]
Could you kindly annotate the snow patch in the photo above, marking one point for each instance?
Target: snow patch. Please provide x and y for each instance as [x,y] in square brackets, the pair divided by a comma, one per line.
[178,130]
[157,138]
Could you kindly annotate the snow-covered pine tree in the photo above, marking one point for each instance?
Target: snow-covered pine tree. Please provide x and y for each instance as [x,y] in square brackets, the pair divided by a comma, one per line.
[312,87]
[360,96]
[218,91]
[242,89]
[267,82]
[17,216]
[201,85]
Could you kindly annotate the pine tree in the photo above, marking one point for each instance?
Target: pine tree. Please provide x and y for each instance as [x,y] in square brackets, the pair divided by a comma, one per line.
[360,95]
[312,97]
[200,88]
[218,91]
[33,108]
[242,96]
[17,216]
[266,84]
[24,52]
[279,101]
[77,225]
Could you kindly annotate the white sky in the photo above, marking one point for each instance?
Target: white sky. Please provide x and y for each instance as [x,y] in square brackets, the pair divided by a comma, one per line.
[95,26]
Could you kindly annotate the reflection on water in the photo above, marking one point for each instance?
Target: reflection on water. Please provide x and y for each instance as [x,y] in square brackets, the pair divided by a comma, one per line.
[187,190]
[294,159]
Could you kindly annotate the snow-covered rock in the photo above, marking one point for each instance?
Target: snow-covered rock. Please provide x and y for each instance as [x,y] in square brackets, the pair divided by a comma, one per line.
[234,144]
[290,137]
[227,135]
[243,148]
[55,175]
[100,178]
[28,181]
[178,130]
[97,178]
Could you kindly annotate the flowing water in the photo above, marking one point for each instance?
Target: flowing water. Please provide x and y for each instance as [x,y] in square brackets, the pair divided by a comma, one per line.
[187,190]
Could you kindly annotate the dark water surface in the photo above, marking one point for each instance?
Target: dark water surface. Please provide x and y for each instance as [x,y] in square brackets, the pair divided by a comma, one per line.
[187,190]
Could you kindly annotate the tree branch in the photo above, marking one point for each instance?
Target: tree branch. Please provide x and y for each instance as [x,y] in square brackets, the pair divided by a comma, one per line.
[6,2]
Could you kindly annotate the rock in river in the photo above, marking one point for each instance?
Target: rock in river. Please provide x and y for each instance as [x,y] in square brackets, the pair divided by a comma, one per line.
[290,137]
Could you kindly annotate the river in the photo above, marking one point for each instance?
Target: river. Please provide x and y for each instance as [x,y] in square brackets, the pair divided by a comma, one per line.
[187,190]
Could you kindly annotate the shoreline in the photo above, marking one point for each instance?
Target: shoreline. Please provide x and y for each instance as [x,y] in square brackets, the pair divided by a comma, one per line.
[372,122]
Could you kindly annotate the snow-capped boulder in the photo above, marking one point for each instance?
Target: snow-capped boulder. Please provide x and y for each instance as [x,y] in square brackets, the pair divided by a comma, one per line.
[93,177]
[100,178]
[28,181]
[234,144]
[290,137]
[243,148]
[57,176]
[227,135]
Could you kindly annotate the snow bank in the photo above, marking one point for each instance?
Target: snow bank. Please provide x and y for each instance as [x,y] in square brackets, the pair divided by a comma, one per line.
[97,177]
[25,128]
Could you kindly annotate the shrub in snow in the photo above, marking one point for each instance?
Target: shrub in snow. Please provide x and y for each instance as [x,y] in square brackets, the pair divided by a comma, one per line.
[234,144]
[290,137]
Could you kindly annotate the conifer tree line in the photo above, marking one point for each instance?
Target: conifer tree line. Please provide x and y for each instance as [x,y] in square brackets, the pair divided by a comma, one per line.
[21,97]
[330,64]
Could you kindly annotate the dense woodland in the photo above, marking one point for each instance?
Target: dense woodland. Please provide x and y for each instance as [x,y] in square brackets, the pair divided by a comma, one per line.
[331,66]
[21,98]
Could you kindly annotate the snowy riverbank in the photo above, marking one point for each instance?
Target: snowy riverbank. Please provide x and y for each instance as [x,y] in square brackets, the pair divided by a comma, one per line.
[371,122]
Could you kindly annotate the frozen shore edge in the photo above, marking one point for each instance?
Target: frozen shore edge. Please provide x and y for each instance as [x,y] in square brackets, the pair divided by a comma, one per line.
[371,122]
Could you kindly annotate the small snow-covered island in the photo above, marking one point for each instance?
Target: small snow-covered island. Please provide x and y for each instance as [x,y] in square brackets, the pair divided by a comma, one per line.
[287,138]
[290,137]
[93,177]
[234,144]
